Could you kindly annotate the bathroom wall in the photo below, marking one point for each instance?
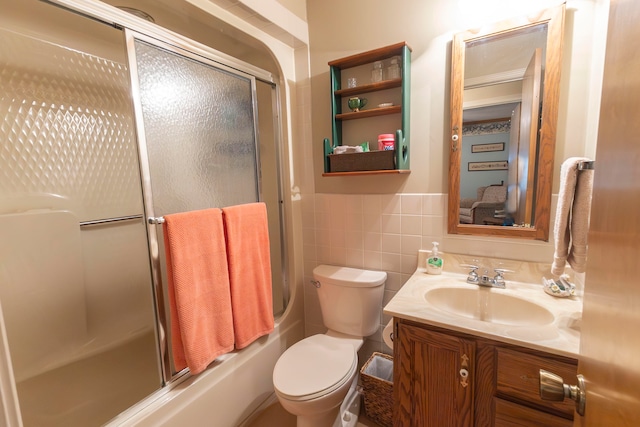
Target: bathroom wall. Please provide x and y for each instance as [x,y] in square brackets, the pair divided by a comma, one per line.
[370,231]
[384,232]
[428,28]
[343,223]
[298,7]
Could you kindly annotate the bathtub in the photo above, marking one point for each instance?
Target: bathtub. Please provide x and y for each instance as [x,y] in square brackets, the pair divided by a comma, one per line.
[224,395]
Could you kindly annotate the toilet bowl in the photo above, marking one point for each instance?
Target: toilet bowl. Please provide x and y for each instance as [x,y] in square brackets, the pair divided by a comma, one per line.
[313,376]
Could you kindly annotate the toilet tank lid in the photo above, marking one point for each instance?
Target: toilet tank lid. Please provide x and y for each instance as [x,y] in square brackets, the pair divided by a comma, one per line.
[349,277]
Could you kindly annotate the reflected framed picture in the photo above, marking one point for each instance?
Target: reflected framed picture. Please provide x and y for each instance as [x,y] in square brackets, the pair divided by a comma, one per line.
[496,165]
[486,148]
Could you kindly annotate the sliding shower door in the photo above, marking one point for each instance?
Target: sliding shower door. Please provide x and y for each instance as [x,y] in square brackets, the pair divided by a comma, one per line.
[75,282]
[198,128]
[197,138]
[101,128]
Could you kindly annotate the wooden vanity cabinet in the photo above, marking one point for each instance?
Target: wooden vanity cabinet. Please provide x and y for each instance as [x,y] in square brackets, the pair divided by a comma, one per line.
[446,378]
[428,387]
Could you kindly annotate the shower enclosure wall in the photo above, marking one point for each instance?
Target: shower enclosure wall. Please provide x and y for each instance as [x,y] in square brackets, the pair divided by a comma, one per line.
[101,129]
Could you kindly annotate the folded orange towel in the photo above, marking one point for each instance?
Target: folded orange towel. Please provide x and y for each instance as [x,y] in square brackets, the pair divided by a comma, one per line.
[200,300]
[249,260]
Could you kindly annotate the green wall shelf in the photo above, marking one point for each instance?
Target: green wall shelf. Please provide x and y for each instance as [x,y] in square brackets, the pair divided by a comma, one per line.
[402,84]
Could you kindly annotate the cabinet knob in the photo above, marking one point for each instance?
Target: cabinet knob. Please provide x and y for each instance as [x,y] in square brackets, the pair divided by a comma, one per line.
[553,388]
[454,138]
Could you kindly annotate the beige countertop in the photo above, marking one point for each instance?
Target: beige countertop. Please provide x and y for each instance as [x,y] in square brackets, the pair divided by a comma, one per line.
[557,331]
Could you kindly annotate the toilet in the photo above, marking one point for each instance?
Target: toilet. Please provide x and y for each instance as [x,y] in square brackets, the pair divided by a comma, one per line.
[312,377]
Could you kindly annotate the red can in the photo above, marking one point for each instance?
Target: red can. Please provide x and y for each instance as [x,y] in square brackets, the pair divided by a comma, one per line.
[386,141]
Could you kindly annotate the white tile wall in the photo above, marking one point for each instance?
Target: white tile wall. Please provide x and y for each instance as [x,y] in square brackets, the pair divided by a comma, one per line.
[369,231]
[385,232]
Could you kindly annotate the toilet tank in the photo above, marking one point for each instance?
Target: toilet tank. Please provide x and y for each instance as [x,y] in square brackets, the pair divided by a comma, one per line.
[350,298]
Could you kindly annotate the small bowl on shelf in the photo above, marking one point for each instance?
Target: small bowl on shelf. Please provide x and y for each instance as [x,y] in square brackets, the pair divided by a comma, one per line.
[385,104]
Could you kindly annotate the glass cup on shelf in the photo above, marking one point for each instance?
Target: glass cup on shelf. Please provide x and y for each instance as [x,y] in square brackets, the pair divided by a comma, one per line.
[393,70]
[352,82]
[376,73]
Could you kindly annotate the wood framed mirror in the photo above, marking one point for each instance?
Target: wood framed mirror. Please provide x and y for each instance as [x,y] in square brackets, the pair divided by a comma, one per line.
[505,84]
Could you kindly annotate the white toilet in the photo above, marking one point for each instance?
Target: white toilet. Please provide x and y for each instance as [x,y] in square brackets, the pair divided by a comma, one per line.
[313,376]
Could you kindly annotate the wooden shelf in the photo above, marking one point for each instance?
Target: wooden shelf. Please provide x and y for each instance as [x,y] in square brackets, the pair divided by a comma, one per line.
[399,88]
[394,109]
[370,56]
[382,172]
[373,87]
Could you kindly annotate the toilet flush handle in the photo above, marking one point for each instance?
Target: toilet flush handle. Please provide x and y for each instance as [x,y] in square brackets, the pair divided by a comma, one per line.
[316,283]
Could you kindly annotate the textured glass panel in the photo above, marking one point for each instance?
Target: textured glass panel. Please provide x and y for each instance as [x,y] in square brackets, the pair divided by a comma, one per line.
[66,130]
[77,301]
[199,132]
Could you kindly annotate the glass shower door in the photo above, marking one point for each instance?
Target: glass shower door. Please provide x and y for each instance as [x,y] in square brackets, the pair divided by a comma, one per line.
[76,287]
[197,137]
[75,283]
[199,131]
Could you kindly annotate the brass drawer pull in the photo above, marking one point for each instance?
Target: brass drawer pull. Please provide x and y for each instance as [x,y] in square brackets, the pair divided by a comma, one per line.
[552,387]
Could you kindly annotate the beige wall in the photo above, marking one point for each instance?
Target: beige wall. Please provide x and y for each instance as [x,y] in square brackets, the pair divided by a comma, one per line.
[428,26]
[298,7]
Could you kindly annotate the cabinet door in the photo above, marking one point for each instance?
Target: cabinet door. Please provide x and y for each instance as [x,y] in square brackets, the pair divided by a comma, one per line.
[430,388]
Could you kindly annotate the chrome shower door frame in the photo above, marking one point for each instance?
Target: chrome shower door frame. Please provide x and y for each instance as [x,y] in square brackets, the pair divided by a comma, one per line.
[186,50]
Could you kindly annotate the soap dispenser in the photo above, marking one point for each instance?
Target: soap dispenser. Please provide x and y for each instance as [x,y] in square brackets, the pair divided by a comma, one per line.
[434,262]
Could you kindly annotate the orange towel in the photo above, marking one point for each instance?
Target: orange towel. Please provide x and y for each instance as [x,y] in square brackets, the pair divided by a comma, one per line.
[249,262]
[200,300]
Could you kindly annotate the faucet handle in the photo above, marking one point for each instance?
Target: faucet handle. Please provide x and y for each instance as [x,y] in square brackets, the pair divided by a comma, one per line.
[499,278]
[473,273]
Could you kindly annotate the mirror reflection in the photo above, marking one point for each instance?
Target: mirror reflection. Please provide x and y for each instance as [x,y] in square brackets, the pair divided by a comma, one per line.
[503,115]
[502,88]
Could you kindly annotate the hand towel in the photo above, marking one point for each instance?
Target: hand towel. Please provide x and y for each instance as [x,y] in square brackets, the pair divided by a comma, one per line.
[249,260]
[199,293]
[572,217]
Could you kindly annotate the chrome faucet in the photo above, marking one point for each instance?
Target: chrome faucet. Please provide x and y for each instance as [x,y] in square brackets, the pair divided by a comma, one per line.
[496,281]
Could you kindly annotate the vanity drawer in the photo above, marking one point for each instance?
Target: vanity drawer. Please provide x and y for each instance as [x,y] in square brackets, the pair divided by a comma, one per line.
[510,414]
[518,379]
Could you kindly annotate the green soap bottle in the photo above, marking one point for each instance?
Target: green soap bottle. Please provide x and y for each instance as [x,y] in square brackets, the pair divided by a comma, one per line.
[434,262]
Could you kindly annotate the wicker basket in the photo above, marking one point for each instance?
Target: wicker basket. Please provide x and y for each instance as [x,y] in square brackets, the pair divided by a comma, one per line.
[378,392]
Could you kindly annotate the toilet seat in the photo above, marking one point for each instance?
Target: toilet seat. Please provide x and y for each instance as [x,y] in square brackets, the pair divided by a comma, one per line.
[314,367]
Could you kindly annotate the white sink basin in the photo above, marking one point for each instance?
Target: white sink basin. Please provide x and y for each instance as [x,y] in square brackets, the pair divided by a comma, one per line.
[488,305]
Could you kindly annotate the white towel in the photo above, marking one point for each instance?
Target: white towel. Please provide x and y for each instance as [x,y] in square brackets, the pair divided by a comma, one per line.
[572,217]
[342,149]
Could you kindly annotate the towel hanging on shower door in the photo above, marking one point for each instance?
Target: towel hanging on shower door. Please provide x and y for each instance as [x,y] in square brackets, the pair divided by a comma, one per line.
[200,300]
[249,259]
